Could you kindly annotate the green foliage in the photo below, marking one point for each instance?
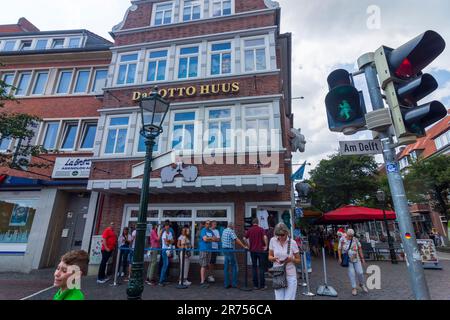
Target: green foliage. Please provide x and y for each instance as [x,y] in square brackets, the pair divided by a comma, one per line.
[343,180]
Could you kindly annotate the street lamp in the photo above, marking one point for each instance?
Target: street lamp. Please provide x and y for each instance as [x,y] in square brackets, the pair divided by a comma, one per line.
[381,197]
[153,112]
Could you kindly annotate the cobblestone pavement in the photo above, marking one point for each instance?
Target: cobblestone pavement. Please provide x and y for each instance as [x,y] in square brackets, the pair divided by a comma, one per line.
[394,286]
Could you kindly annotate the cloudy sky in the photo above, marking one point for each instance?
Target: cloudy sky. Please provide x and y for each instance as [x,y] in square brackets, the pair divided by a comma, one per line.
[327,34]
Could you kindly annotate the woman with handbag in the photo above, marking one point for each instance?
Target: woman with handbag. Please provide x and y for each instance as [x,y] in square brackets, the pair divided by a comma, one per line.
[184,242]
[350,256]
[284,253]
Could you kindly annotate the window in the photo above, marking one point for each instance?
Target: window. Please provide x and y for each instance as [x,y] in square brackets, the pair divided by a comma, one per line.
[127,68]
[255,54]
[82,81]
[99,80]
[51,133]
[219,128]
[41,44]
[41,81]
[5,144]
[221,58]
[188,63]
[8,79]
[116,135]
[442,141]
[192,10]
[25,45]
[221,8]
[9,45]
[58,44]
[24,81]
[88,135]
[183,131]
[141,144]
[74,42]
[16,221]
[163,13]
[404,162]
[65,79]
[257,125]
[157,66]
[69,136]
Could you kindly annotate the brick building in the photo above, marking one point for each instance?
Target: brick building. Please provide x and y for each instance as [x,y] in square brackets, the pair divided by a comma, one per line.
[58,76]
[226,70]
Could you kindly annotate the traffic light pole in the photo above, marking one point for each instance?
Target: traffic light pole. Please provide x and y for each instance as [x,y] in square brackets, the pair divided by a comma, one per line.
[413,258]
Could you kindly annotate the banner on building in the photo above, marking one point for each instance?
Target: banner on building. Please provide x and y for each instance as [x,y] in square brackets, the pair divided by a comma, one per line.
[71,168]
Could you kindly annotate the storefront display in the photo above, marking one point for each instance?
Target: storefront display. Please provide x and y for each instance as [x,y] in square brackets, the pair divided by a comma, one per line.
[16,219]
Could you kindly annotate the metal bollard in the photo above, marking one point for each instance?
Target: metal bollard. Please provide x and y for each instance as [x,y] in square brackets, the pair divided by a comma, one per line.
[117,267]
[245,287]
[181,284]
[308,293]
[304,269]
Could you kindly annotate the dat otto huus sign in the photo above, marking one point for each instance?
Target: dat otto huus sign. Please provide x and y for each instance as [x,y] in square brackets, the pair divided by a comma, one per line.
[71,168]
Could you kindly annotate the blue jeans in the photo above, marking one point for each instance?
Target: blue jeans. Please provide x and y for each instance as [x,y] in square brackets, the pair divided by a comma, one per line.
[258,277]
[165,259]
[230,258]
[355,269]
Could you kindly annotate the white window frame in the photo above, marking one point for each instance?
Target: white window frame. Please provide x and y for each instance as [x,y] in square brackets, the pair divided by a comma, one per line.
[76,81]
[53,43]
[22,42]
[70,87]
[148,60]
[94,75]
[211,52]
[172,124]
[116,77]
[201,4]
[79,42]
[249,148]
[14,74]
[44,133]
[267,52]
[178,57]
[440,140]
[10,40]
[19,78]
[117,127]
[232,121]
[211,6]
[42,39]
[138,135]
[64,126]
[83,131]
[36,75]
[153,22]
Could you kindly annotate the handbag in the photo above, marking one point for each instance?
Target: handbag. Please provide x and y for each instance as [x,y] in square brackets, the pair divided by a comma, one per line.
[279,280]
[345,257]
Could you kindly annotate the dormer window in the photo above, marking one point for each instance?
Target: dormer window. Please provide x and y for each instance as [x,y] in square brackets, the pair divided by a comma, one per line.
[41,44]
[9,45]
[191,10]
[58,44]
[163,13]
[74,42]
[25,45]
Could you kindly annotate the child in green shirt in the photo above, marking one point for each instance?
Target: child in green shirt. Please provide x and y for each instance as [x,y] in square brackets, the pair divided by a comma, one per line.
[73,265]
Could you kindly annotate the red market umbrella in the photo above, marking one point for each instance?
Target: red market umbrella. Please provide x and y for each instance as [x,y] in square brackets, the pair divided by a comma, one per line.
[354,214]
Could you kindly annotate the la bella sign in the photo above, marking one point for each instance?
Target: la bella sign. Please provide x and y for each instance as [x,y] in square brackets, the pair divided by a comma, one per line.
[192,91]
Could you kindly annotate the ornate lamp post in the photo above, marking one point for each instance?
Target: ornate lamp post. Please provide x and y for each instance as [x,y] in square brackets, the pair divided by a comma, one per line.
[153,112]
[381,197]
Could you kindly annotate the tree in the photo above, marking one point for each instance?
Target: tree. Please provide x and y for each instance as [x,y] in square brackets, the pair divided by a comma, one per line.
[17,126]
[343,180]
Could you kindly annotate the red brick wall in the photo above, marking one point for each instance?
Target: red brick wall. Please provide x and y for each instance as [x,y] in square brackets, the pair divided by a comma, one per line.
[249,5]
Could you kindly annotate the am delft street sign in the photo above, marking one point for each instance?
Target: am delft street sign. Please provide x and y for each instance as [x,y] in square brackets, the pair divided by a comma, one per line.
[360,147]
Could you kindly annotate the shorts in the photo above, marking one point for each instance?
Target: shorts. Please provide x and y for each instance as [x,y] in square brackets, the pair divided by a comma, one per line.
[213,257]
[204,259]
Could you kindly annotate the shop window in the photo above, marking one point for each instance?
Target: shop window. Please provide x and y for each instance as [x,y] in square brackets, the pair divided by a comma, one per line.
[127,69]
[177,213]
[191,10]
[99,80]
[8,79]
[58,44]
[188,62]
[116,135]
[65,79]
[40,83]
[219,128]
[221,58]
[25,45]
[51,133]
[69,136]
[82,81]
[221,8]
[255,55]
[24,82]
[163,13]
[9,45]
[41,44]
[183,131]
[211,213]
[16,219]
[157,65]
[88,135]
[74,42]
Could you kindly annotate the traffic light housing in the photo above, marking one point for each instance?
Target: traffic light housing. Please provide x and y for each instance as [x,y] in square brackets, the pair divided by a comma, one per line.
[404,84]
[344,104]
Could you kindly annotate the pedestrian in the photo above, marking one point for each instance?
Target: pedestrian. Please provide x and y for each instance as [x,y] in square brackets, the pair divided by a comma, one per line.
[72,263]
[131,253]
[109,243]
[283,250]
[174,237]
[166,242]
[351,246]
[257,242]
[184,242]
[124,247]
[229,240]
[154,240]
[205,240]
[214,246]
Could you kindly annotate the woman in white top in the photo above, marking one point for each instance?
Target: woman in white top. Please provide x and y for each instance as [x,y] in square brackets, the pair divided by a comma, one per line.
[278,254]
[184,242]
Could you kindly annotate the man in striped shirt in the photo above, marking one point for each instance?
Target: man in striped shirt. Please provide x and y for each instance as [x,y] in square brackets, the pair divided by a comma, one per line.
[229,239]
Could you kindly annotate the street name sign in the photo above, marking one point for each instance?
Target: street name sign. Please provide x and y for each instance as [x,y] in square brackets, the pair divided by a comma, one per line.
[360,147]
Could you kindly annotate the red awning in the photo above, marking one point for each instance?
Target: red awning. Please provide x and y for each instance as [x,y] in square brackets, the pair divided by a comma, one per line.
[355,214]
